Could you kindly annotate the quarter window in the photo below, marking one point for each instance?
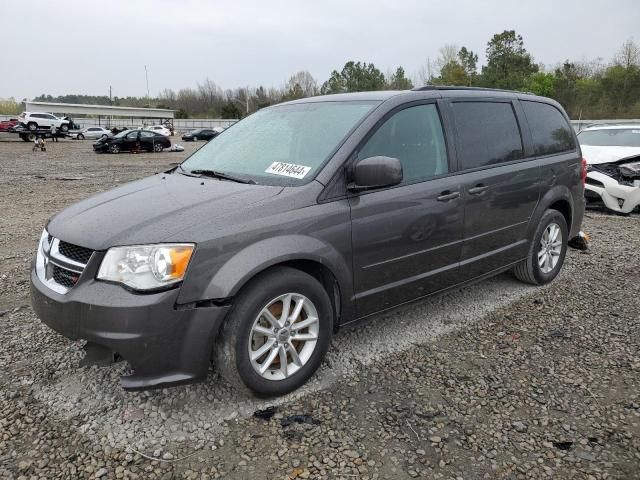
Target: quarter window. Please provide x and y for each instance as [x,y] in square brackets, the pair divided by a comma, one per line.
[488,133]
[550,131]
[414,136]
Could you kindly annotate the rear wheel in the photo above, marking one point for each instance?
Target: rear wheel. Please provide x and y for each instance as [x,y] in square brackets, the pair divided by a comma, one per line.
[64,127]
[276,334]
[158,147]
[547,250]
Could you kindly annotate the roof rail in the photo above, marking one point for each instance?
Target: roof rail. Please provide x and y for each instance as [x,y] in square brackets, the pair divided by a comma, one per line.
[453,87]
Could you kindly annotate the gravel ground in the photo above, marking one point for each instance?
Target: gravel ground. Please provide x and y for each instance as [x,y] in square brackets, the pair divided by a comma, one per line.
[499,380]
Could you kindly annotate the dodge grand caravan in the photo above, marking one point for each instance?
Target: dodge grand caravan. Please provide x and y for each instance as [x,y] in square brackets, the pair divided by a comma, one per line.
[305,217]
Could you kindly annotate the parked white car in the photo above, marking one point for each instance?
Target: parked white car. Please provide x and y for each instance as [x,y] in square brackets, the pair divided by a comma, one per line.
[91,132]
[35,120]
[613,165]
[159,129]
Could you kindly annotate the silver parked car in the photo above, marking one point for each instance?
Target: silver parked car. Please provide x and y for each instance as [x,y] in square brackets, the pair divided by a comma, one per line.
[91,132]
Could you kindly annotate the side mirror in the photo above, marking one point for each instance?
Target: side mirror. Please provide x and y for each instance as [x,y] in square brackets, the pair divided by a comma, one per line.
[375,172]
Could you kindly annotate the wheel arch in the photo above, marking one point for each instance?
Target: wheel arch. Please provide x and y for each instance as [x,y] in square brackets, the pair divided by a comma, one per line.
[557,198]
[307,254]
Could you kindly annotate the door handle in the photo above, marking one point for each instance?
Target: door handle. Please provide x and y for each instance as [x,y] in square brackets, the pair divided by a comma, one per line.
[478,189]
[447,195]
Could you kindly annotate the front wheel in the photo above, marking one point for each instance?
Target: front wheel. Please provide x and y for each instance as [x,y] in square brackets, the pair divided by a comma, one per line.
[32,126]
[114,148]
[80,136]
[547,250]
[276,334]
[195,139]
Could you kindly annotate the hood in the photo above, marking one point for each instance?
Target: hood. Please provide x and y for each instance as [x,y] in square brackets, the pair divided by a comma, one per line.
[594,154]
[153,209]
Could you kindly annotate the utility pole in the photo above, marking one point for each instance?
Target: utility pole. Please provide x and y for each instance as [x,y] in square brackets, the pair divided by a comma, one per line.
[110,100]
[146,75]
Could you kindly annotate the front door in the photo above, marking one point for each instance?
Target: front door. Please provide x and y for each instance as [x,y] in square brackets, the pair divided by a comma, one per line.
[131,141]
[407,239]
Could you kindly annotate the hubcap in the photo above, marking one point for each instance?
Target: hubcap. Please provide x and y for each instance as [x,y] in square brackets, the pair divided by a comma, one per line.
[550,248]
[283,336]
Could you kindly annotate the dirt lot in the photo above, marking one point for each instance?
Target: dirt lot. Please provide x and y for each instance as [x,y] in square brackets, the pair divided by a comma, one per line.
[499,380]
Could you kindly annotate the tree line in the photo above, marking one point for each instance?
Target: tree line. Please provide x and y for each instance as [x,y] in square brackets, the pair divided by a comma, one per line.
[594,89]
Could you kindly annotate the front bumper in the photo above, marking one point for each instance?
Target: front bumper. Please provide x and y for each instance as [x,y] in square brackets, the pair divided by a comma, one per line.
[165,345]
[100,147]
[616,197]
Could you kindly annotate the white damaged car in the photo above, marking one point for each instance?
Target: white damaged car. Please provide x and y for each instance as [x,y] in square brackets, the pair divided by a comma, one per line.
[613,165]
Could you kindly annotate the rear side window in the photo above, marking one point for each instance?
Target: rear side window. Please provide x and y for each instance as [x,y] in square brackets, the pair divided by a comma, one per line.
[414,136]
[550,130]
[488,133]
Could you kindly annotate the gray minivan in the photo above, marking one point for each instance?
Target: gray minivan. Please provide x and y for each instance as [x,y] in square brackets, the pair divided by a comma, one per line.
[307,216]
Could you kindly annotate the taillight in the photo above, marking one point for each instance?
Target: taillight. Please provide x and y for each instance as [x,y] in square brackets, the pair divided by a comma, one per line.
[583,172]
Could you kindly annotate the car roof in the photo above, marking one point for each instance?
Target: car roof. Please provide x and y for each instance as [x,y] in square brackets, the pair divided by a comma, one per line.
[605,126]
[428,91]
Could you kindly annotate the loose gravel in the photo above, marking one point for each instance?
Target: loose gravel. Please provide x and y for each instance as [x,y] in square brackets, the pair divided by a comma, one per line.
[499,380]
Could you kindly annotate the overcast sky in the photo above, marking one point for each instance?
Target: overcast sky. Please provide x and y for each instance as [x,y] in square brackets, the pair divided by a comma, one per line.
[59,47]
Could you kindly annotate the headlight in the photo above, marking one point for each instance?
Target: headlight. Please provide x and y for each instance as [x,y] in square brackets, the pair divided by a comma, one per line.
[146,267]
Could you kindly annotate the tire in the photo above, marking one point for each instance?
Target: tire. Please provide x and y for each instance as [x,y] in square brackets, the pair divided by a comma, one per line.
[530,270]
[158,147]
[80,136]
[32,126]
[114,148]
[64,127]
[195,139]
[237,336]
[30,137]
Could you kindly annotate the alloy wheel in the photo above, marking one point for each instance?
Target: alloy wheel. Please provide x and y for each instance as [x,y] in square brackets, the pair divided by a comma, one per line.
[283,336]
[550,248]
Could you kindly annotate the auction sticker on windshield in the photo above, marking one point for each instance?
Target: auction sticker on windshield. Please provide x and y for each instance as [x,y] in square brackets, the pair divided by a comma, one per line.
[288,169]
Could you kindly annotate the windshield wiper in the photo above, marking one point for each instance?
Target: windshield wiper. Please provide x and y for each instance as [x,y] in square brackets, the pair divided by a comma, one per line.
[221,176]
[185,172]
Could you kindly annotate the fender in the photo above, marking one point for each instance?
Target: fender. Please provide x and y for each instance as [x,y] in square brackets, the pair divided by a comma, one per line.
[259,256]
[555,193]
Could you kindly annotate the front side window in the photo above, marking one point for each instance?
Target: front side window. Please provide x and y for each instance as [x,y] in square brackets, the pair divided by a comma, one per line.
[611,137]
[414,136]
[281,145]
[550,130]
[132,135]
[487,132]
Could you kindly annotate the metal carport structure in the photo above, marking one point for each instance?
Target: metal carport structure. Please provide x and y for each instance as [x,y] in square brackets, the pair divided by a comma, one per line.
[165,116]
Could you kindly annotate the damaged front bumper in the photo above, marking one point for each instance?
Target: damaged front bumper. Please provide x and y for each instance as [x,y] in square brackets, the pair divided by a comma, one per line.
[615,184]
[165,344]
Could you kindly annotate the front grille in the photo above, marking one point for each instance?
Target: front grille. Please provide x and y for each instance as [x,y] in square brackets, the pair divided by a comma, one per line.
[60,264]
[64,277]
[74,252]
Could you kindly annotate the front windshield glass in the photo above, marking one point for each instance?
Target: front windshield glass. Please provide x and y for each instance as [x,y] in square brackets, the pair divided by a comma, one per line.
[611,137]
[122,133]
[282,145]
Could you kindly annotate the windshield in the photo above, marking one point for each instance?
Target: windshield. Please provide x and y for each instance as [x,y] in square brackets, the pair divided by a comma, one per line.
[122,133]
[611,137]
[282,145]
